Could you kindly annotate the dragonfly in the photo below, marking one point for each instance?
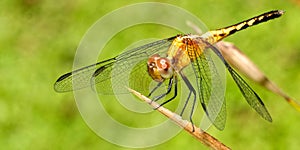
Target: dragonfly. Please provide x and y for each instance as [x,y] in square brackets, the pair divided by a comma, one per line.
[164,62]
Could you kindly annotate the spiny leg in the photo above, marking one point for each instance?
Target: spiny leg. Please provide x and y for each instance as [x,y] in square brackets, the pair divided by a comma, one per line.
[155,88]
[193,91]
[168,90]
[185,104]
[175,92]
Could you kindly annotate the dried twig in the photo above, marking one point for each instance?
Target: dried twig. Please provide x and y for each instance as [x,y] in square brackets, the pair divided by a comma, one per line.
[199,134]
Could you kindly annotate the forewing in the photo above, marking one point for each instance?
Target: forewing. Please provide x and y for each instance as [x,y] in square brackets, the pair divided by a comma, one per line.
[112,76]
[80,78]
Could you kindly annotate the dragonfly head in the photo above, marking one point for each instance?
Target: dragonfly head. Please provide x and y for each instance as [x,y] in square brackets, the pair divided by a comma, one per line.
[159,68]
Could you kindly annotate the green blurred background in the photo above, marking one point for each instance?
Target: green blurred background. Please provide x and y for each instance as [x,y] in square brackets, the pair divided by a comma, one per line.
[38,42]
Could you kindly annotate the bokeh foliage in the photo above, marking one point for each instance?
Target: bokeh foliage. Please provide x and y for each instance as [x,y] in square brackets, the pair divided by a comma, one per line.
[39,39]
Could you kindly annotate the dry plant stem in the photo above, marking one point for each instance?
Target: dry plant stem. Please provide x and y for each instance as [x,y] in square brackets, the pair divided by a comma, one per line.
[199,134]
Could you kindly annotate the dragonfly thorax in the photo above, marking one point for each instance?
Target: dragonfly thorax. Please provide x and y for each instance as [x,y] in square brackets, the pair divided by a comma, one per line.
[159,68]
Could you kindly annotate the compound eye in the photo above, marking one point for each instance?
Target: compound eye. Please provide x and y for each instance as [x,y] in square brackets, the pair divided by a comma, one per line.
[152,65]
[164,67]
[163,64]
[152,68]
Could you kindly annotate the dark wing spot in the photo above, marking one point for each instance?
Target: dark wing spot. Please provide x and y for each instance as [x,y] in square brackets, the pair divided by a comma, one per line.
[98,71]
[64,76]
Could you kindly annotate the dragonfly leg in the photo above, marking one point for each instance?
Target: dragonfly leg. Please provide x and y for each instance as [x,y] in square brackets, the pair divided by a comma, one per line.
[175,92]
[192,91]
[168,90]
[186,102]
[154,89]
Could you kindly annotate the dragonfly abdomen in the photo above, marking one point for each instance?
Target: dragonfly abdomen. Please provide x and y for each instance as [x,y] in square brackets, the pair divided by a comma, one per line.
[219,34]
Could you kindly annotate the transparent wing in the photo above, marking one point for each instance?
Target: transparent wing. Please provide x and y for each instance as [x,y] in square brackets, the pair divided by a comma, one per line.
[210,86]
[112,76]
[250,95]
[81,77]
